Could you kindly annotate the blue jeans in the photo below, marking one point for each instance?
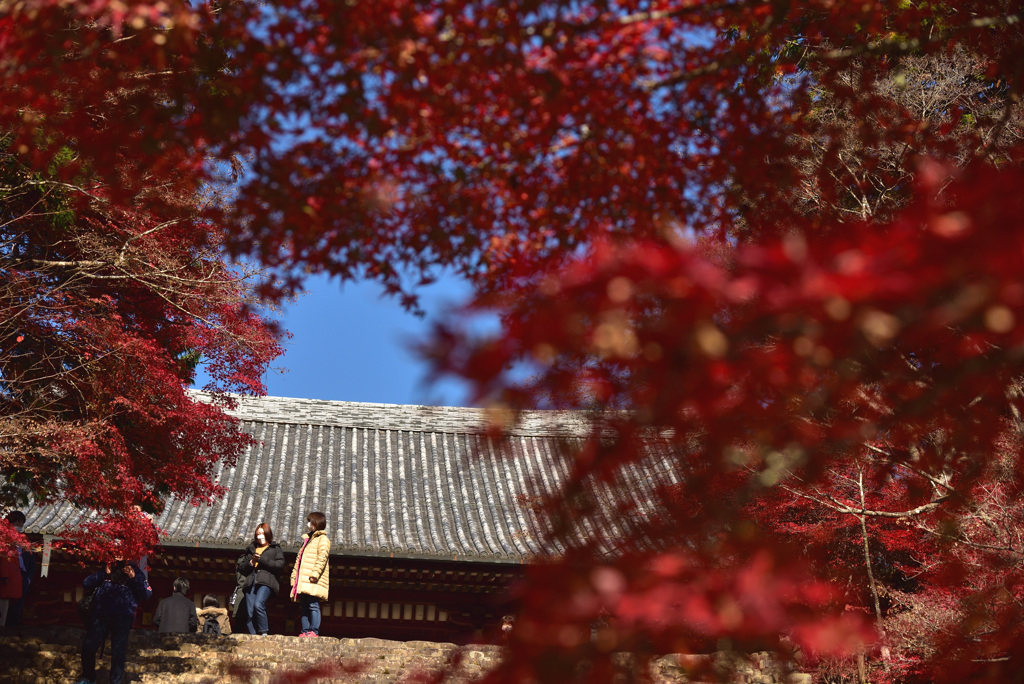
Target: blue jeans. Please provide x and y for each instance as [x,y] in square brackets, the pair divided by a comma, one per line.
[99,627]
[256,599]
[310,613]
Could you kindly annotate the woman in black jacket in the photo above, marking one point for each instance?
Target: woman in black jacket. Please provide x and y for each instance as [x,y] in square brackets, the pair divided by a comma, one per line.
[262,564]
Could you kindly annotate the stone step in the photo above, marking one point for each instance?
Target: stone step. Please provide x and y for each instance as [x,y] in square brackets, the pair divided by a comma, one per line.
[51,655]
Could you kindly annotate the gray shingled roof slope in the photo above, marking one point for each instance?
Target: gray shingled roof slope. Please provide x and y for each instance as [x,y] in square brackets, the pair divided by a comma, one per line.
[407,481]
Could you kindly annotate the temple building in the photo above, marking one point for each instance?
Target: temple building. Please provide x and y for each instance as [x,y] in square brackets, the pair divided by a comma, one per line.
[431,520]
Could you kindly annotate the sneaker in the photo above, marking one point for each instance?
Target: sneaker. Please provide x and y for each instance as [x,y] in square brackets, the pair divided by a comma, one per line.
[306,634]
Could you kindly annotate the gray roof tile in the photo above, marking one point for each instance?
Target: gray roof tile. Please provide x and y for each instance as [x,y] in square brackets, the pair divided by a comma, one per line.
[408,481]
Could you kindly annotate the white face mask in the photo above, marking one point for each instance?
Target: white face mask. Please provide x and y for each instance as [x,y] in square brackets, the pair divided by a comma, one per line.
[310,526]
[260,538]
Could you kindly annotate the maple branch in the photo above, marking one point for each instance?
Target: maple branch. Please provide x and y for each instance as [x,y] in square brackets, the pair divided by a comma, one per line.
[895,46]
[29,212]
[150,74]
[71,264]
[841,507]
[1000,125]
[683,76]
[610,19]
[862,518]
[154,229]
[967,541]
[659,15]
[70,370]
[885,46]
[972,505]
[58,184]
[210,324]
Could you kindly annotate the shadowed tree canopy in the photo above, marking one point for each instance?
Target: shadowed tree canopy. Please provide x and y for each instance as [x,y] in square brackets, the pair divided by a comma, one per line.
[105,311]
[785,236]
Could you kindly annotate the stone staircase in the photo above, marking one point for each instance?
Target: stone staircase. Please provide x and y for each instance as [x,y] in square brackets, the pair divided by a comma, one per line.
[50,655]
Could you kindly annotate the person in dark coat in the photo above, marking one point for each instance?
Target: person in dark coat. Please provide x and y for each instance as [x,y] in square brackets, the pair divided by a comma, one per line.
[262,565]
[239,612]
[27,565]
[10,585]
[176,614]
[120,586]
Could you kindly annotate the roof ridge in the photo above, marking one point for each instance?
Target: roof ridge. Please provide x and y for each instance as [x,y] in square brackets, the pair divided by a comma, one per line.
[407,417]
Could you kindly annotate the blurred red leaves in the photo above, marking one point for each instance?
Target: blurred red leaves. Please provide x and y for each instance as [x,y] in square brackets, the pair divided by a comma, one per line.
[776,248]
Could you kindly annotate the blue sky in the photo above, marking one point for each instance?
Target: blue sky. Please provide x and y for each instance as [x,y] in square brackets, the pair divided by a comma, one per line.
[350,344]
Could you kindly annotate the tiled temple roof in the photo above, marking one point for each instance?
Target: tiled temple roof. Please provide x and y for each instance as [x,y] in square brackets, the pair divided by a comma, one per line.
[402,481]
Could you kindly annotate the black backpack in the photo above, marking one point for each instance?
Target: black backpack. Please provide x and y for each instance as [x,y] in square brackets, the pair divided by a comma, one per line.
[85,605]
[211,626]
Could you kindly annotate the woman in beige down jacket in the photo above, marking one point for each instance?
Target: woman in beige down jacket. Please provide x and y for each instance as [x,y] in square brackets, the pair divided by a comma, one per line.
[311,574]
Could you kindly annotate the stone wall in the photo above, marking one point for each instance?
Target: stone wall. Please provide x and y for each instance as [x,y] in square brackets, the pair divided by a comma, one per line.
[50,655]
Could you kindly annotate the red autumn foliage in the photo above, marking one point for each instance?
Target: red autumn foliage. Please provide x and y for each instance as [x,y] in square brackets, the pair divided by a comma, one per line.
[104,313]
[784,237]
